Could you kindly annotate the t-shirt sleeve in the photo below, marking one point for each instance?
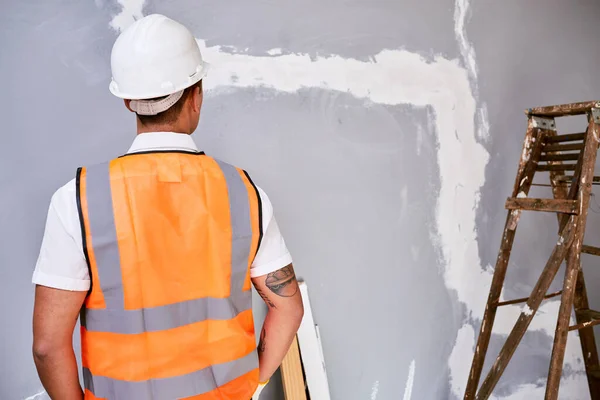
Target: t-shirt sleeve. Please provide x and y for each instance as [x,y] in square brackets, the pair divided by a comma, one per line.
[272,253]
[61,263]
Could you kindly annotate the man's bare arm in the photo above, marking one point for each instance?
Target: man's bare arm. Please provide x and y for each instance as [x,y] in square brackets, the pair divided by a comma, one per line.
[280,291]
[54,318]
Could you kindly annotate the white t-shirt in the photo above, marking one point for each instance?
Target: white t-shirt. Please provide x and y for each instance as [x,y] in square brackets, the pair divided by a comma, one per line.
[62,264]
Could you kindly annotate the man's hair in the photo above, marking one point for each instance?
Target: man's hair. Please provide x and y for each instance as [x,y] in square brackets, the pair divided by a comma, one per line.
[169,116]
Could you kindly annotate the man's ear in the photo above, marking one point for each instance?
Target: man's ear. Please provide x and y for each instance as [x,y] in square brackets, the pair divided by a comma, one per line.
[197,97]
[127,104]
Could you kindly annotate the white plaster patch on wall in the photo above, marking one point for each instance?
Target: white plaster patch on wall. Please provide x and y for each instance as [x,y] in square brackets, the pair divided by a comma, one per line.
[39,396]
[442,83]
[375,390]
[275,52]
[410,380]
[467,52]
[130,12]
[483,128]
[458,363]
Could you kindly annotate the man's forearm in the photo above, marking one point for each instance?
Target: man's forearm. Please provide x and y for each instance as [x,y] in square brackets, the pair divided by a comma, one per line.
[276,338]
[58,372]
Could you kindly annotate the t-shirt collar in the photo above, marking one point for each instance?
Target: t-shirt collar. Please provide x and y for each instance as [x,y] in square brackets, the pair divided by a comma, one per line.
[161,141]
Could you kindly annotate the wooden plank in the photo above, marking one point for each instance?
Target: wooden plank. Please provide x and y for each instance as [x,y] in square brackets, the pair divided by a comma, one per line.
[551,148]
[541,287]
[585,325]
[560,157]
[595,251]
[292,375]
[562,109]
[586,318]
[553,167]
[571,137]
[532,147]
[546,205]
[310,351]
[524,299]
[569,178]
[570,295]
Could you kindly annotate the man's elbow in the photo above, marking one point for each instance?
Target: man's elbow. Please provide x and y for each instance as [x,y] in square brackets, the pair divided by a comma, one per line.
[297,314]
[291,315]
[41,350]
[44,349]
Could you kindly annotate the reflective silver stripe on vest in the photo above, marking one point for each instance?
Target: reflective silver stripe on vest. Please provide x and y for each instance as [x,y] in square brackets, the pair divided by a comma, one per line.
[104,234]
[165,317]
[115,318]
[177,387]
[241,228]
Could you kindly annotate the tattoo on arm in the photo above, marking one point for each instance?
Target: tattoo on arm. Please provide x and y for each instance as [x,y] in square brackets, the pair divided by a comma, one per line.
[282,282]
[265,298]
[261,342]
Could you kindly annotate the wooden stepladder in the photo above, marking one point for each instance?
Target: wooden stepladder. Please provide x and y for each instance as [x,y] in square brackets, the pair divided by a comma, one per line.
[570,160]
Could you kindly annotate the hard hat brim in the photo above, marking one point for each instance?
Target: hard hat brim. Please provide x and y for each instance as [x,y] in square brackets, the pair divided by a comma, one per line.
[114,89]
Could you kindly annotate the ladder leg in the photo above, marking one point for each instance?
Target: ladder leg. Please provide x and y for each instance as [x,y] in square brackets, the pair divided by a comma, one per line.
[562,326]
[535,299]
[584,190]
[485,331]
[532,149]
[587,338]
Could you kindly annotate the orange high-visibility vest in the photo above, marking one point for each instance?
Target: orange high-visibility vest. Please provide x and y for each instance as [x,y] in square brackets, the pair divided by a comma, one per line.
[169,238]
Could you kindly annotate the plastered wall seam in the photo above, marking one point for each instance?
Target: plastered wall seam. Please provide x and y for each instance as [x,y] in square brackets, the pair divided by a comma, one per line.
[462,11]
[410,380]
[375,390]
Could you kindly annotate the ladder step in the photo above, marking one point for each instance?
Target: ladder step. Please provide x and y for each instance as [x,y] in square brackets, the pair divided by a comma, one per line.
[571,137]
[547,205]
[592,317]
[560,157]
[561,167]
[562,109]
[595,251]
[564,178]
[569,178]
[563,147]
[524,299]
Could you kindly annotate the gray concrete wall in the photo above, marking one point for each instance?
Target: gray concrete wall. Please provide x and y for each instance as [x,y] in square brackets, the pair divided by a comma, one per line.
[387,135]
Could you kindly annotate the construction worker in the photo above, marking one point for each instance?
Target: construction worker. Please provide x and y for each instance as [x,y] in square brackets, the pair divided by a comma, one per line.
[157,250]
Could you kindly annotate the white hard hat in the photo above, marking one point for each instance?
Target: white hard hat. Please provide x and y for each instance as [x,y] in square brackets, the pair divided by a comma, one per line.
[155,57]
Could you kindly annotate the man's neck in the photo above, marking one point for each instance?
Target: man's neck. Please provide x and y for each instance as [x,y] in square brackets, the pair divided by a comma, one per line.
[160,128]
